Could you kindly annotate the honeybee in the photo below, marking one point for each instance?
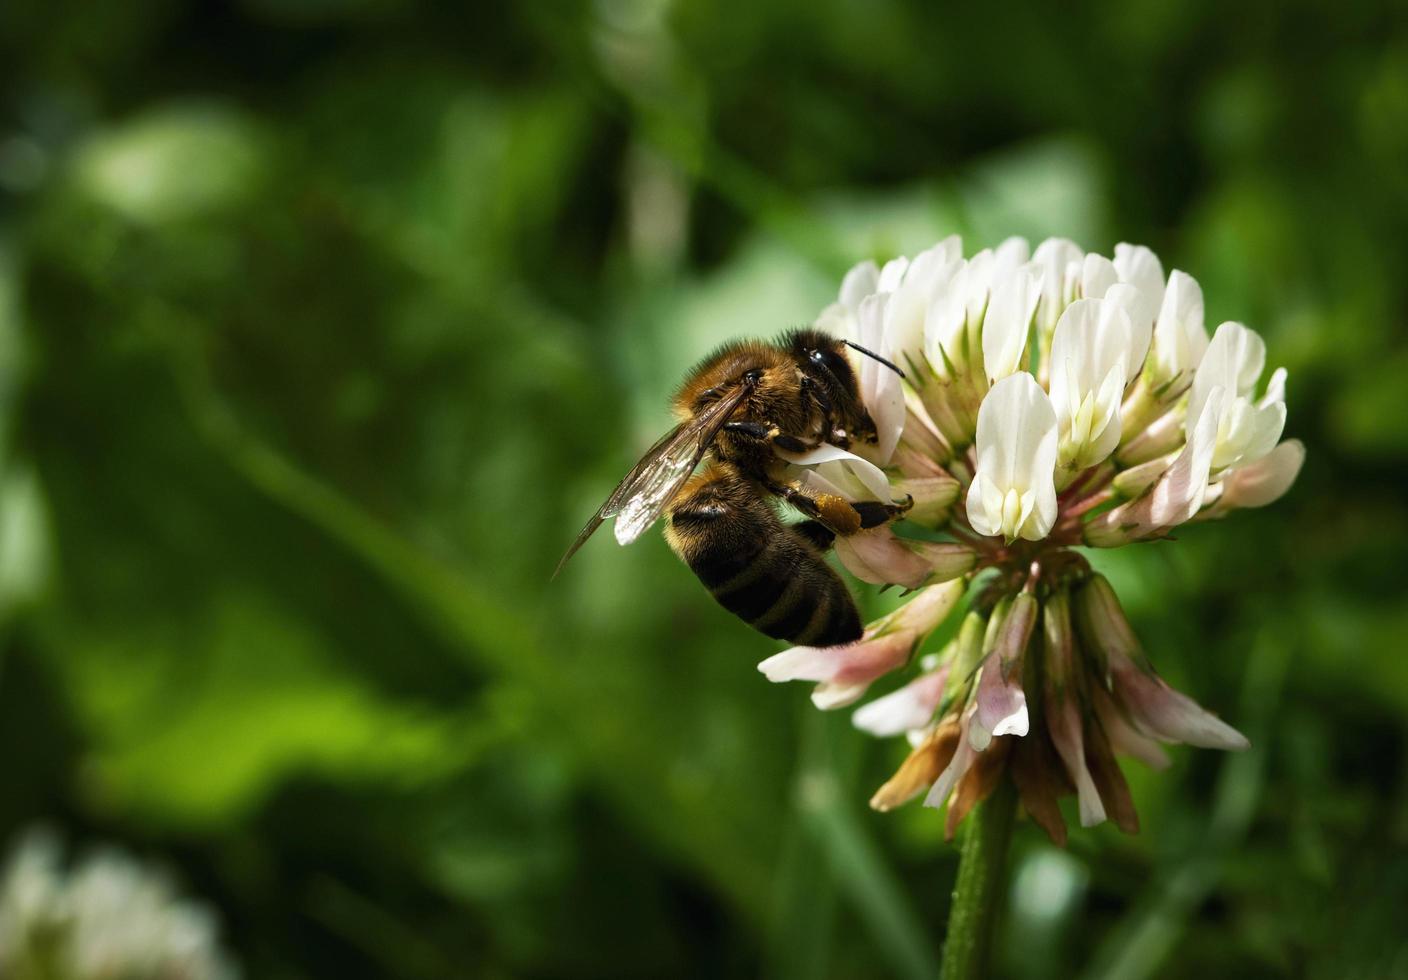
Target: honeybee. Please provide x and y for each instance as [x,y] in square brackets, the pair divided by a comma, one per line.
[738,407]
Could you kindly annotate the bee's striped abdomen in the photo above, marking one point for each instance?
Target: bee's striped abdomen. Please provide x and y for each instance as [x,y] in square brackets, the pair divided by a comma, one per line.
[758,568]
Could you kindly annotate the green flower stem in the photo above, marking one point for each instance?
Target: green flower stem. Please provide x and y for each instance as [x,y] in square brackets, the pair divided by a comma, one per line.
[982,869]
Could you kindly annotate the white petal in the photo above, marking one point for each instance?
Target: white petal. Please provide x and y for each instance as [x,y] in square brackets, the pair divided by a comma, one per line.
[1180,339]
[1275,388]
[1179,493]
[1097,276]
[945,315]
[829,697]
[1016,449]
[862,280]
[1141,268]
[844,470]
[906,709]
[1060,261]
[1141,326]
[891,274]
[880,387]
[1008,321]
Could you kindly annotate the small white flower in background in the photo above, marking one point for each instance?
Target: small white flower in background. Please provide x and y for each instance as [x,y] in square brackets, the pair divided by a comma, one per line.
[1053,399]
[107,918]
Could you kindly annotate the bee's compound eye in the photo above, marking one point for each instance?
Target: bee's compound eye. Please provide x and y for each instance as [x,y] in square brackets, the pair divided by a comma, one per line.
[753,376]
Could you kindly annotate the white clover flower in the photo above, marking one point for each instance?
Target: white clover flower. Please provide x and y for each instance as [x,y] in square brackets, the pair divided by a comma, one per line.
[108,917]
[1120,422]
[1013,492]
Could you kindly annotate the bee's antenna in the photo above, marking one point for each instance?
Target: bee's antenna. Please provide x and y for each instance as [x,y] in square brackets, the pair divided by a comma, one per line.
[871,353]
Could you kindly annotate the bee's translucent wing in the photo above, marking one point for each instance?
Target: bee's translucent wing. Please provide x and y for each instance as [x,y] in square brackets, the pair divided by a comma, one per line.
[648,488]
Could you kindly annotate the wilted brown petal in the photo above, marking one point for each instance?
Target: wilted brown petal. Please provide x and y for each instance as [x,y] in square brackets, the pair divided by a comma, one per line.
[919,771]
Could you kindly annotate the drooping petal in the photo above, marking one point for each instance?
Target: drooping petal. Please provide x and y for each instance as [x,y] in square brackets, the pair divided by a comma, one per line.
[1037,773]
[1174,498]
[1064,721]
[958,765]
[920,770]
[1160,711]
[878,557]
[844,672]
[1109,780]
[1000,699]
[924,611]
[1124,739]
[905,709]
[1013,492]
[1010,309]
[1264,480]
[977,784]
[1153,707]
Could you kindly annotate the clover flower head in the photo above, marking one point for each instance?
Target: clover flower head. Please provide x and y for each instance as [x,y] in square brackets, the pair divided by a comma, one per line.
[1052,400]
[109,916]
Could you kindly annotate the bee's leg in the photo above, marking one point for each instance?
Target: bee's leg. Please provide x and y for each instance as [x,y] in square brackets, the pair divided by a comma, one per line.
[780,439]
[839,515]
[821,537]
[873,513]
[830,511]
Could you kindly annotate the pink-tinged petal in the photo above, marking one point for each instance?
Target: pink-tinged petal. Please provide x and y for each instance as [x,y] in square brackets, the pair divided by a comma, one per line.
[924,611]
[909,708]
[844,672]
[1064,720]
[1001,702]
[1160,711]
[878,557]
[957,767]
[1265,480]
[1123,737]
[946,561]
[1179,494]
[933,497]
[1002,707]
[1174,498]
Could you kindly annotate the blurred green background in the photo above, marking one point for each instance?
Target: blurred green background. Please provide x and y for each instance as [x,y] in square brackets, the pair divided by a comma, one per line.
[325,323]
